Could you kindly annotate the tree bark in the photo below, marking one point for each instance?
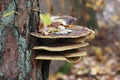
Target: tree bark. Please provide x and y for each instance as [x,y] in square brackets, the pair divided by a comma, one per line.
[16,56]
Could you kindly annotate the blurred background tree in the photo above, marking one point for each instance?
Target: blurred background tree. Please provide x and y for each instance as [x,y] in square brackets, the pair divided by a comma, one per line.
[83,10]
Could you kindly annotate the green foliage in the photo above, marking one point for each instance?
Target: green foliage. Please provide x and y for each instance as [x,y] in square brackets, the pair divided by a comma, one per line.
[45,19]
[66,68]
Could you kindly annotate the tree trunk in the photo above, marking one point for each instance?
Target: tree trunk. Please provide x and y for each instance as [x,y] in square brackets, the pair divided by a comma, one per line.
[16,60]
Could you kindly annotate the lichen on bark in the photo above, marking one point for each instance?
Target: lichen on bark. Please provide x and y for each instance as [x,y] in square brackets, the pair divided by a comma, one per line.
[16,42]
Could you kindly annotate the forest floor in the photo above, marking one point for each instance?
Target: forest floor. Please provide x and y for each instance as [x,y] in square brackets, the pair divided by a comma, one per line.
[102,61]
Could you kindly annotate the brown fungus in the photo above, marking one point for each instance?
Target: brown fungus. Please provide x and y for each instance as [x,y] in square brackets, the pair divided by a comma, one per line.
[61,45]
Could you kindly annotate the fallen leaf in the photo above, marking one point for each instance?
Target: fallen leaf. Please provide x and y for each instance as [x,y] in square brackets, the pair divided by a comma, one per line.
[8,14]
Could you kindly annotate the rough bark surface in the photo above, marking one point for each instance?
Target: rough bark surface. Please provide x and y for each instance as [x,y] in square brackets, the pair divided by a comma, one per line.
[16,60]
[9,65]
[22,20]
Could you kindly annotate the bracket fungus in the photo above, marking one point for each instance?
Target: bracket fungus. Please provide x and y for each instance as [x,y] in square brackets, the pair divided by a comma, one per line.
[61,40]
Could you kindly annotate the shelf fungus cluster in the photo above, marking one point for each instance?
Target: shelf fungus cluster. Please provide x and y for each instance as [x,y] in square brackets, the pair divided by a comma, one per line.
[61,39]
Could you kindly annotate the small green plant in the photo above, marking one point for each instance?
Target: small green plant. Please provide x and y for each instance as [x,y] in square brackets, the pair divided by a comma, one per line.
[45,19]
